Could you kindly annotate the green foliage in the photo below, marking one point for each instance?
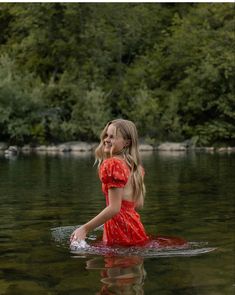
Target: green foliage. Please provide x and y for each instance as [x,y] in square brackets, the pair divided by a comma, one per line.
[191,74]
[146,112]
[90,114]
[68,68]
[20,102]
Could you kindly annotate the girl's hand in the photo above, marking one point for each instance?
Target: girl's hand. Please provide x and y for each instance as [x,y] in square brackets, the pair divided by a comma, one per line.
[78,235]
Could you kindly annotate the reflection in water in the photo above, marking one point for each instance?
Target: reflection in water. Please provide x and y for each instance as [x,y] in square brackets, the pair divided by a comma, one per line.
[119,275]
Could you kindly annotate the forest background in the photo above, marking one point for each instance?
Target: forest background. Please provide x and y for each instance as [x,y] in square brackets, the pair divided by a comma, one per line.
[68,68]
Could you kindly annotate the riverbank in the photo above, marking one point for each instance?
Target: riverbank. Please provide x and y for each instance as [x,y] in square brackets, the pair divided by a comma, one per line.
[80,146]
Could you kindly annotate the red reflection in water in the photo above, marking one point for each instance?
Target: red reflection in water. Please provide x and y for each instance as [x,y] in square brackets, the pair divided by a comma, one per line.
[119,275]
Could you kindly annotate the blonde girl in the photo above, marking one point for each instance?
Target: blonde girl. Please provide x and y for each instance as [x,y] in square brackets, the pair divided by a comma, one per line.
[122,178]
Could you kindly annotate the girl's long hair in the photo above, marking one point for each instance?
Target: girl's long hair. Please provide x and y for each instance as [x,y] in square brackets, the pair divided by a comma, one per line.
[130,154]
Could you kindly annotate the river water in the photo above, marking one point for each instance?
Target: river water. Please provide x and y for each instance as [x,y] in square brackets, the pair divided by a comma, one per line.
[189,195]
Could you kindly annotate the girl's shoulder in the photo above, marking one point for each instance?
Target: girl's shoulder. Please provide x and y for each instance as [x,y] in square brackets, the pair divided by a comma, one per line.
[114,171]
[114,161]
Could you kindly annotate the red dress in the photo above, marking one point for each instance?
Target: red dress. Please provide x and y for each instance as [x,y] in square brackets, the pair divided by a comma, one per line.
[125,228]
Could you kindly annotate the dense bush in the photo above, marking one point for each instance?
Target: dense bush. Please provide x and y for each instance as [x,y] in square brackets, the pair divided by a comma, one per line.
[67,68]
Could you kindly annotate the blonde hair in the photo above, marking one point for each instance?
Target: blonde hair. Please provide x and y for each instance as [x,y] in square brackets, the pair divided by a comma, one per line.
[130,154]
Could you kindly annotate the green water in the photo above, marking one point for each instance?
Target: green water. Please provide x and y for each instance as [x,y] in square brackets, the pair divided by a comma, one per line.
[188,195]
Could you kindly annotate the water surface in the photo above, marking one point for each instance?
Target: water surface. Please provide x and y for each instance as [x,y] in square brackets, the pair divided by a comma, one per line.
[188,195]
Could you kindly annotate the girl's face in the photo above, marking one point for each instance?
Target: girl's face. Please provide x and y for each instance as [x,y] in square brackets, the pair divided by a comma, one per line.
[113,140]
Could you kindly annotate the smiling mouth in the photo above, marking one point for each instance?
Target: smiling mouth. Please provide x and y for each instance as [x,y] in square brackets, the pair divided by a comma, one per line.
[107,146]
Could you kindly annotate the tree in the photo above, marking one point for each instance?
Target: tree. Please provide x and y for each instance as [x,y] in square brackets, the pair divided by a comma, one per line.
[168,67]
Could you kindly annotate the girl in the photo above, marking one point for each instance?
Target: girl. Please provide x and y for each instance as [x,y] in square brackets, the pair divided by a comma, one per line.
[122,178]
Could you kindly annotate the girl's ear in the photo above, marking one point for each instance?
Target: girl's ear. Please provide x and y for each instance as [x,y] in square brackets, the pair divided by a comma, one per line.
[128,142]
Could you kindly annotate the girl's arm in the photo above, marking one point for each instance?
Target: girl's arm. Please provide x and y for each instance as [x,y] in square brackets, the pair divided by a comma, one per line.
[115,200]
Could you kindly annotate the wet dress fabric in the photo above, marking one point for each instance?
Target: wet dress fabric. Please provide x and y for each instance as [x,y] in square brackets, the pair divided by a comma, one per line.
[125,228]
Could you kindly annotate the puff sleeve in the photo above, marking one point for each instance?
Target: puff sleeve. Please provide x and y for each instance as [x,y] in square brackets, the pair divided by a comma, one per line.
[114,173]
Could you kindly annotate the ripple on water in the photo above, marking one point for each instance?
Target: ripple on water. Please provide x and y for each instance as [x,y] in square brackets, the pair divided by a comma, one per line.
[160,246]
